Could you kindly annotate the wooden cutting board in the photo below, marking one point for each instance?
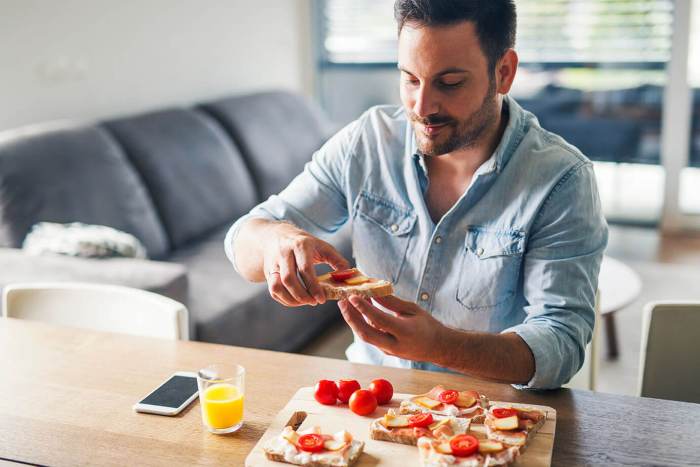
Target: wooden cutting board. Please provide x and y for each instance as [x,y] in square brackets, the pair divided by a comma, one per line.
[302,411]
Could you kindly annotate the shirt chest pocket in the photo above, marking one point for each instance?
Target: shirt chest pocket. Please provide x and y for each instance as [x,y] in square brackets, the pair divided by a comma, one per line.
[380,236]
[490,269]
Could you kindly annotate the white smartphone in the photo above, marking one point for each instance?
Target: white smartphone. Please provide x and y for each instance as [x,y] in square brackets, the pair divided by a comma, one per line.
[171,397]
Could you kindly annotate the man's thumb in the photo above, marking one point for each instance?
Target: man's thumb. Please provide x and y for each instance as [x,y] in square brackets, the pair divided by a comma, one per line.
[395,304]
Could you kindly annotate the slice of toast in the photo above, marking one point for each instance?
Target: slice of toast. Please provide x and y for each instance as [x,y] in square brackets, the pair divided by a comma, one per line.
[357,284]
[429,402]
[437,453]
[442,427]
[283,449]
[279,457]
[529,422]
[401,435]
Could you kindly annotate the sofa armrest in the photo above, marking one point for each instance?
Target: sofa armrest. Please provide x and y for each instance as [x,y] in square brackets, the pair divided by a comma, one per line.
[169,279]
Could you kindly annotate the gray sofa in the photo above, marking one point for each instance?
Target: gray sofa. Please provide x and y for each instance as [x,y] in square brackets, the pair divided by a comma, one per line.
[176,179]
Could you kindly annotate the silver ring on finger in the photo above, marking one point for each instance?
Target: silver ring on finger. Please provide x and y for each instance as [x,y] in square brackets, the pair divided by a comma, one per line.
[273,272]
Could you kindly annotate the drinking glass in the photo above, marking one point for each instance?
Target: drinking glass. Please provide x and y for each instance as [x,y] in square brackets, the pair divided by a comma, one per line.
[221,392]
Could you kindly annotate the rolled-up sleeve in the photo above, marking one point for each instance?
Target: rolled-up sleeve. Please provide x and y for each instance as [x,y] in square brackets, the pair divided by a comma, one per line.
[315,200]
[561,266]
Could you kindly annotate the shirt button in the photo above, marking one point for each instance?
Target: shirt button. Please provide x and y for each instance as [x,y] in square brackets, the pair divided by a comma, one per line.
[479,252]
[394,227]
[438,240]
[424,296]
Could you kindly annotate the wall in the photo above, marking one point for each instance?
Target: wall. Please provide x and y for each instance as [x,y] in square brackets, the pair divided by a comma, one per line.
[346,92]
[86,59]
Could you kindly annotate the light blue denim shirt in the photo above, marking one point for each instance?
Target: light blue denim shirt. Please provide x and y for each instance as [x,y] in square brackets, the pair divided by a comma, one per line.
[519,252]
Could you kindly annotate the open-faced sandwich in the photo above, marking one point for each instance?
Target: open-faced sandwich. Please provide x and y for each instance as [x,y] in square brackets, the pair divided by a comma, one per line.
[406,429]
[312,448]
[464,450]
[441,401]
[513,425]
[341,284]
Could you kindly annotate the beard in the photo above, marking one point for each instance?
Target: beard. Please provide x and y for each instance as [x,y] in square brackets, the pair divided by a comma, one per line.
[459,134]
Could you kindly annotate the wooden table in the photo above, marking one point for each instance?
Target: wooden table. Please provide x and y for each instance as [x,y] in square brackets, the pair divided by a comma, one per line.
[66,398]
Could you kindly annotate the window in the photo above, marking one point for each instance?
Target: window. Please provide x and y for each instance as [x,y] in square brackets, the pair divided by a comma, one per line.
[594,31]
[690,177]
[549,31]
[358,31]
[593,71]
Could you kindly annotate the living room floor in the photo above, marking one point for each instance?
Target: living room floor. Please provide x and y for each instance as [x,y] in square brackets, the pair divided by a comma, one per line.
[669,267]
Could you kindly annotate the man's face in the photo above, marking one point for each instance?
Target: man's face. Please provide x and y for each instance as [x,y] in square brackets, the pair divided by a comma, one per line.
[445,86]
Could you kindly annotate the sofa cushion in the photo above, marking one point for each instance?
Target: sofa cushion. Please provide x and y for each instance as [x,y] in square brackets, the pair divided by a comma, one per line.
[72,174]
[82,240]
[229,310]
[277,133]
[195,175]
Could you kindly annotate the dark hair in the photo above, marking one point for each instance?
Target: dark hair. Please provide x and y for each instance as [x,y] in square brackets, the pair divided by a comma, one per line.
[495,20]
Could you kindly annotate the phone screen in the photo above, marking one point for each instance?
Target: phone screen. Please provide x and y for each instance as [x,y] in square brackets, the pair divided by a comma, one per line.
[173,393]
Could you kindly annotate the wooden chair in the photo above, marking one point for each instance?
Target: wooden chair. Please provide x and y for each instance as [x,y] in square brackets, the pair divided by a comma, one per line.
[669,366]
[619,286]
[99,307]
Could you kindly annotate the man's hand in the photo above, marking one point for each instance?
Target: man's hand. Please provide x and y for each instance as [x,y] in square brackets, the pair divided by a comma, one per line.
[288,250]
[407,332]
[411,333]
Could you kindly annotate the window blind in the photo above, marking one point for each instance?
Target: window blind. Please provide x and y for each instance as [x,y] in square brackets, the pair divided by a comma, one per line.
[549,31]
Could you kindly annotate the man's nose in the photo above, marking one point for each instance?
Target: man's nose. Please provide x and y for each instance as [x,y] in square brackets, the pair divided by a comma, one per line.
[426,102]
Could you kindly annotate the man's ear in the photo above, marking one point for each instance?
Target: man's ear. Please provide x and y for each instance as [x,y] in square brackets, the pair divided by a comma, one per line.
[505,71]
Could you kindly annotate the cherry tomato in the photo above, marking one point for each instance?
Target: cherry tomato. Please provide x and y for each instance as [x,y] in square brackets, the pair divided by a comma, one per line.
[345,389]
[363,402]
[464,445]
[448,396]
[502,412]
[420,420]
[326,392]
[382,390]
[311,442]
[340,276]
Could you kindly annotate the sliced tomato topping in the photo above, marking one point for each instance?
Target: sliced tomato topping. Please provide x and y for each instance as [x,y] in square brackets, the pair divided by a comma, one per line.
[341,276]
[464,445]
[311,442]
[448,396]
[420,420]
[502,412]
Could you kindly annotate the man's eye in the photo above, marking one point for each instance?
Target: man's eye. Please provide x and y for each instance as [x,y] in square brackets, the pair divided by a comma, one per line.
[412,82]
[452,85]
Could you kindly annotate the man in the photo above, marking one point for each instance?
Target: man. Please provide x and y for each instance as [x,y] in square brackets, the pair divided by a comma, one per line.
[489,226]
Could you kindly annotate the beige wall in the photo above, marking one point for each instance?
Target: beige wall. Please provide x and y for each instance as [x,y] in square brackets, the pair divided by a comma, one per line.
[85,59]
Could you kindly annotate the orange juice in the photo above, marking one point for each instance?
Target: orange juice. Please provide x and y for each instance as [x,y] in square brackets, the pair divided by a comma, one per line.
[222,406]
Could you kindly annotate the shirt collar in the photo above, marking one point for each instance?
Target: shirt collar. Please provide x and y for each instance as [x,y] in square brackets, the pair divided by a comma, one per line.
[512,135]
